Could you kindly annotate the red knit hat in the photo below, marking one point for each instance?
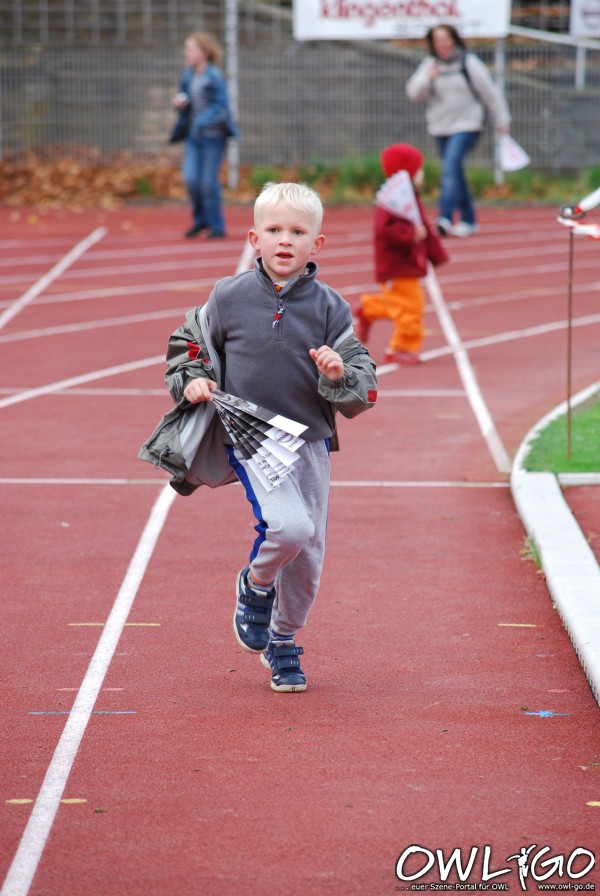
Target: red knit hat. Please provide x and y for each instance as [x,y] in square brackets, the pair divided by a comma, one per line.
[401,157]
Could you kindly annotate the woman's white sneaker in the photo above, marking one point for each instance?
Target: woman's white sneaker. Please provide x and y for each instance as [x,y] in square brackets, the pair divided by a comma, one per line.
[464,229]
[444,226]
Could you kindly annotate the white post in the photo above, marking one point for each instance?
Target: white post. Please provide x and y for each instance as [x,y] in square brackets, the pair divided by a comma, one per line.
[500,69]
[232,75]
[580,68]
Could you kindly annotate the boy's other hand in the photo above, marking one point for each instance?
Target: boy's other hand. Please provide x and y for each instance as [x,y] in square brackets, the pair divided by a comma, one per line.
[199,390]
[328,362]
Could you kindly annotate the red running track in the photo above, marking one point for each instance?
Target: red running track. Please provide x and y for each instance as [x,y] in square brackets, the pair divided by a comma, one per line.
[446,707]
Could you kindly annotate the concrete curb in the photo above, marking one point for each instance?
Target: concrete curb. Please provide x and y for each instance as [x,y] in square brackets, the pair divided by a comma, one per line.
[569,565]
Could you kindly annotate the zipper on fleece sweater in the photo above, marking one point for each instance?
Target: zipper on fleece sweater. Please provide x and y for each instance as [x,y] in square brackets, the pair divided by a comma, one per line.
[277,319]
[281,306]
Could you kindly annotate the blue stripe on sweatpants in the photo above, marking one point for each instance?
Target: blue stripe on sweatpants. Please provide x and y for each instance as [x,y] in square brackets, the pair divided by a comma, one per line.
[261,526]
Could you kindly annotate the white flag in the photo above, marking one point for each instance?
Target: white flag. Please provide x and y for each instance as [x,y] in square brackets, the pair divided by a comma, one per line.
[397,195]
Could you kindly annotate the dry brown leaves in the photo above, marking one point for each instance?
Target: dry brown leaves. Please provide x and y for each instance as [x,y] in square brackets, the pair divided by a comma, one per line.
[80,177]
[77,182]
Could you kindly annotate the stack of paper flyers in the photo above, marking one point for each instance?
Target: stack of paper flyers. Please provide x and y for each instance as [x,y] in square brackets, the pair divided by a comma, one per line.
[397,195]
[267,441]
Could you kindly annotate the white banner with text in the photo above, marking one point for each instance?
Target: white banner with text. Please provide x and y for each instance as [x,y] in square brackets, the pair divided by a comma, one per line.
[387,19]
[585,18]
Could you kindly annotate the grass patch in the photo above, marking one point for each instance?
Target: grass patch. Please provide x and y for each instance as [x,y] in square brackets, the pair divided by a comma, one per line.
[83,177]
[357,179]
[258,177]
[530,552]
[360,176]
[548,451]
[143,187]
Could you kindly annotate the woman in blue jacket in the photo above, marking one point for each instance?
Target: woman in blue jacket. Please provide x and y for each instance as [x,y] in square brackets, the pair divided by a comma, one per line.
[204,104]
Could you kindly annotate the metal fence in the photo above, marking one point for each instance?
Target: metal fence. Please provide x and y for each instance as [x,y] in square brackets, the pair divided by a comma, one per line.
[160,22]
[97,78]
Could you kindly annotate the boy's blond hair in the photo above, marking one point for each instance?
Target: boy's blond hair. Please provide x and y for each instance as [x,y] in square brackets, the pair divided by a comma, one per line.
[298,196]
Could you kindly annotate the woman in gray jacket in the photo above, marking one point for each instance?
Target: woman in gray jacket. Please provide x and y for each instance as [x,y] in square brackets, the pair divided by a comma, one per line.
[458,90]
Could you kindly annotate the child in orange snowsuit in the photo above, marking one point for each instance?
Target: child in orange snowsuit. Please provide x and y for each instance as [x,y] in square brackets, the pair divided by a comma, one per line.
[402,251]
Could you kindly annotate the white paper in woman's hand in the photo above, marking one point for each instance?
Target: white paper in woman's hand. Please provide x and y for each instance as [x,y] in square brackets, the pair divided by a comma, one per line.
[512,156]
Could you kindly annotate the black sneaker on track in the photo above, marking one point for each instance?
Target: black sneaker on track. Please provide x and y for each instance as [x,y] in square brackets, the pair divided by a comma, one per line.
[281,657]
[252,614]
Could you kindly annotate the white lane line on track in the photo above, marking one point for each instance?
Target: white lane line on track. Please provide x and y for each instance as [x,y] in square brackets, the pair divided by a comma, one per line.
[33,841]
[160,393]
[122,393]
[49,388]
[335,483]
[44,332]
[578,478]
[414,483]
[520,295]
[37,830]
[244,262]
[522,273]
[135,250]
[511,335]
[109,272]
[508,336]
[132,252]
[84,295]
[55,272]
[508,295]
[467,375]
[16,480]
[419,393]
[29,394]
[456,347]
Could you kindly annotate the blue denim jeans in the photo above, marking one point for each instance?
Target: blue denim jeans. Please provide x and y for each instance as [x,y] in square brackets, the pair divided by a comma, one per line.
[202,161]
[454,189]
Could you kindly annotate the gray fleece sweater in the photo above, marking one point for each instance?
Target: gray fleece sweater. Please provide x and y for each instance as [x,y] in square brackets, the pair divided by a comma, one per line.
[265,353]
[453,105]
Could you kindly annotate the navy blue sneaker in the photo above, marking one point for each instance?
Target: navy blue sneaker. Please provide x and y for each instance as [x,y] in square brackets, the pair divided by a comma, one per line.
[281,657]
[252,614]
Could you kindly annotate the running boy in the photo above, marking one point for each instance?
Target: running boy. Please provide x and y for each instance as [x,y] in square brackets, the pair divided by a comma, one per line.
[402,251]
[287,344]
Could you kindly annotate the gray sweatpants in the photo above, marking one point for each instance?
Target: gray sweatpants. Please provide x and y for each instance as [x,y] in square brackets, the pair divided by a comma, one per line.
[291,526]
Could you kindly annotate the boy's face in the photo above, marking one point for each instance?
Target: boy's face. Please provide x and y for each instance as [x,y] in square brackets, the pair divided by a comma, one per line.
[286,240]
